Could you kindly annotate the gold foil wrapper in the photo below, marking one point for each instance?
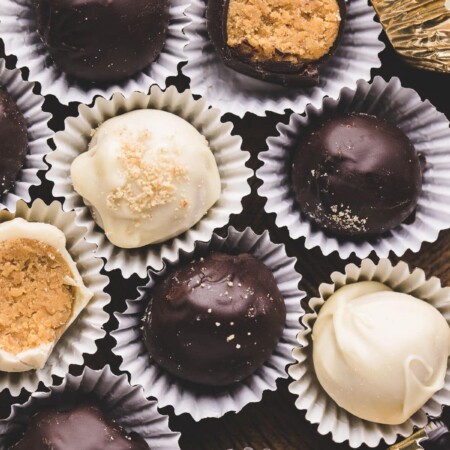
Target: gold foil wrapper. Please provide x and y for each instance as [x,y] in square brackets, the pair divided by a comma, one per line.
[411,443]
[419,30]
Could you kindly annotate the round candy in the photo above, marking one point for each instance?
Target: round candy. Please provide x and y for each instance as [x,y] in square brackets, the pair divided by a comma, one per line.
[102,40]
[14,141]
[356,175]
[216,320]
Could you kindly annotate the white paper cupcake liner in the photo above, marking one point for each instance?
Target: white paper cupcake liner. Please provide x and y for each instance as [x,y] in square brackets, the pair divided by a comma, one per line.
[225,147]
[202,403]
[122,403]
[233,92]
[30,105]
[19,33]
[81,336]
[320,408]
[427,129]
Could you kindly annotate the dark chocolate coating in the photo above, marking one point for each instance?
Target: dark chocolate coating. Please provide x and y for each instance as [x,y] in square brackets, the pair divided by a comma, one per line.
[84,427]
[356,175]
[102,40]
[13,139]
[303,74]
[216,320]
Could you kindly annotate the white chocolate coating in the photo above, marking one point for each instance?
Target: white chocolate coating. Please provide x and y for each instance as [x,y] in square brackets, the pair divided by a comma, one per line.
[380,354]
[35,358]
[148,176]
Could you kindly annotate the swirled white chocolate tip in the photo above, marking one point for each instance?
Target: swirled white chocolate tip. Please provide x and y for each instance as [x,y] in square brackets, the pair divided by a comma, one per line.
[380,354]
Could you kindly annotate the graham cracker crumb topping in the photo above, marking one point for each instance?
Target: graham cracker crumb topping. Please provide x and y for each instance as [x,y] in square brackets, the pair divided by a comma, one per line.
[36,300]
[152,177]
[283,30]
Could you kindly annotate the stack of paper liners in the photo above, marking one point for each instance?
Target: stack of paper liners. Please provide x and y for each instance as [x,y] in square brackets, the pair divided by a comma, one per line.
[419,30]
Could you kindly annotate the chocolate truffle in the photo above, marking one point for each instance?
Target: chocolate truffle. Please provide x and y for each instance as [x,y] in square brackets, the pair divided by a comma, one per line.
[42,293]
[216,320]
[102,40]
[281,41]
[356,175]
[380,354]
[83,427]
[148,176]
[14,141]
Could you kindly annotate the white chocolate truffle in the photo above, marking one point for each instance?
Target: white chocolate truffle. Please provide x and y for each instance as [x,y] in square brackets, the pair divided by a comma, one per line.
[148,176]
[380,354]
[42,293]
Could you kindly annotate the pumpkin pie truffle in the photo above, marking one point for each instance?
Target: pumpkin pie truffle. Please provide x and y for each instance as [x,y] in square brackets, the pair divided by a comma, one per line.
[83,426]
[42,293]
[282,41]
[356,175]
[148,176]
[102,41]
[14,141]
[215,320]
[380,354]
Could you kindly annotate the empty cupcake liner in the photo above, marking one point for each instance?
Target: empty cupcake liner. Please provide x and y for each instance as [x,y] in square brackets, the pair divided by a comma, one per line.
[19,33]
[201,403]
[30,105]
[225,147]
[122,403]
[320,408]
[233,92]
[81,336]
[427,129]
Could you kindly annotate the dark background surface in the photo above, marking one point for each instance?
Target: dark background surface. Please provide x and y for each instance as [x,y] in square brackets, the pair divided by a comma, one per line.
[274,423]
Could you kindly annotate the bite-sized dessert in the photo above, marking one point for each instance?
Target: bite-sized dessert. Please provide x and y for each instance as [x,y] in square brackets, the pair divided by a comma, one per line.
[42,293]
[281,41]
[102,41]
[148,176]
[215,320]
[356,175]
[14,141]
[80,427]
[380,354]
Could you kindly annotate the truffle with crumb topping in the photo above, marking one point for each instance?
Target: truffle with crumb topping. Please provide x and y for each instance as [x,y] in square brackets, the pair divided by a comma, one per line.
[215,320]
[42,293]
[148,176]
[356,175]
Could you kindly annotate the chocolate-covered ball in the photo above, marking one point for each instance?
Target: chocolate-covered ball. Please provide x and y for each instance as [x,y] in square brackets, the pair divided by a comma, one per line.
[278,41]
[83,427]
[356,175]
[102,40]
[216,320]
[13,139]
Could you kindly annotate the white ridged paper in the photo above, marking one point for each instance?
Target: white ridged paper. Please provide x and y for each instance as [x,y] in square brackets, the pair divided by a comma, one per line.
[233,92]
[88,327]
[122,403]
[225,147]
[427,129]
[30,105]
[19,33]
[214,403]
[320,408]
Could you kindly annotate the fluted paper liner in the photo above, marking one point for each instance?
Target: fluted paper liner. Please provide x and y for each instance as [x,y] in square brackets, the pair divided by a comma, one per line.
[225,147]
[81,336]
[320,408]
[30,105]
[427,129]
[122,403]
[18,30]
[201,403]
[233,92]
